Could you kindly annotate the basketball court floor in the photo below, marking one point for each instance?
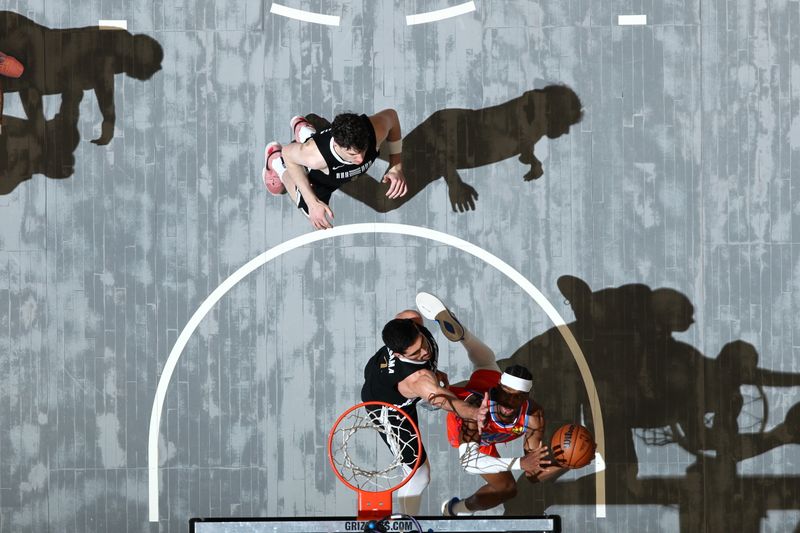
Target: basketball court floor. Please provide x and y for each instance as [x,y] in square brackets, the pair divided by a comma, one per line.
[663,230]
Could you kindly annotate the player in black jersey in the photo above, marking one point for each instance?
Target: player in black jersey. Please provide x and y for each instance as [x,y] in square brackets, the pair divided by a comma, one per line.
[318,163]
[402,373]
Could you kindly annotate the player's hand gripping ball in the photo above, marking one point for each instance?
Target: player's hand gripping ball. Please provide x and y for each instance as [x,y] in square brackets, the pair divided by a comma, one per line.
[572,446]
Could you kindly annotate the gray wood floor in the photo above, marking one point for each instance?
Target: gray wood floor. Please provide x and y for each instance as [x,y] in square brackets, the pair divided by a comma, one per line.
[682,175]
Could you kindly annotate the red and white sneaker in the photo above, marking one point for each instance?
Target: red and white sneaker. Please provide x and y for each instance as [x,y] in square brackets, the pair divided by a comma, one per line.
[432,308]
[299,123]
[271,180]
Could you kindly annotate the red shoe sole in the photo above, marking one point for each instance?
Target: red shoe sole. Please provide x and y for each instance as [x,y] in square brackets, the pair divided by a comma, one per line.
[271,180]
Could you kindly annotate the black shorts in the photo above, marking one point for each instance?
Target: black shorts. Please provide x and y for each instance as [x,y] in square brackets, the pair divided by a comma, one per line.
[408,437]
[322,191]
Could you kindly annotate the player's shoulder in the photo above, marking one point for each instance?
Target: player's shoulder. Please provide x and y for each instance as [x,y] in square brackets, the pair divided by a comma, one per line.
[379,358]
[384,115]
[382,122]
[421,374]
[535,410]
[306,154]
[383,354]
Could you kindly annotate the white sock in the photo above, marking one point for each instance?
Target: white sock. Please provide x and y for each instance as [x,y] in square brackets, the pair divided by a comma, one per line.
[306,131]
[279,167]
[409,496]
[460,508]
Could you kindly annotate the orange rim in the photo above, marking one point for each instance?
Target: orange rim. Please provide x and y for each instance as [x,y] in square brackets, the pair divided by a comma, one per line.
[377,404]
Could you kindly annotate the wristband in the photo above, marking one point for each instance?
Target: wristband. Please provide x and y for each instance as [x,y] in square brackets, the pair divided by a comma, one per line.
[395,147]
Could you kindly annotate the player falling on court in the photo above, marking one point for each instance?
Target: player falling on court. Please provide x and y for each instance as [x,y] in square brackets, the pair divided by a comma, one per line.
[512,415]
[318,163]
[402,373]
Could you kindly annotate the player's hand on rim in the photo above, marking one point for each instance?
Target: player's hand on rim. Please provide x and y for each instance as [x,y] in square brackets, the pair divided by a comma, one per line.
[397,182]
[320,215]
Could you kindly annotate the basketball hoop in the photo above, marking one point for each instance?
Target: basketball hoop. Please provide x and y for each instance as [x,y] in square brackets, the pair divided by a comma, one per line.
[366,447]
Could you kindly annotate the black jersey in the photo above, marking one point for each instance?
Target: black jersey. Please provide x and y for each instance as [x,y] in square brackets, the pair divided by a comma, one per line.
[340,173]
[385,370]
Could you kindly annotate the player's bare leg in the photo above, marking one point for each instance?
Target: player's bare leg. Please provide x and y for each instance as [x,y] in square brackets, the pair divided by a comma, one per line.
[481,356]
[274,173]
[499,488]
[270,175]
[277,180]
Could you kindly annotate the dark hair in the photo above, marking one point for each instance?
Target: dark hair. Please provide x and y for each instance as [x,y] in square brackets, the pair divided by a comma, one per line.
[519,371]
[350,131]
[400,333]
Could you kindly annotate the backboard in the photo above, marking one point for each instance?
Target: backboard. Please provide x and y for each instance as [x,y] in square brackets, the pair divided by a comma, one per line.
[472,524]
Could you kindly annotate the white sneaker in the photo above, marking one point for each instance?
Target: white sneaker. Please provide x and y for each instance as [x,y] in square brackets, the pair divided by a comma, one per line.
[447,507]
[271,179]
[432,308]
[298,123]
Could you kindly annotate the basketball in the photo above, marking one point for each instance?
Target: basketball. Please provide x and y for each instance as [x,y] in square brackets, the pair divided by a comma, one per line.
[572,446]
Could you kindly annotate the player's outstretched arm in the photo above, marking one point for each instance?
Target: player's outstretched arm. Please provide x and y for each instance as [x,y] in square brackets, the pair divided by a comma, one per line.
[473,461]
[534,433]
[537,465]
[298,157]
[387,127]
[424,384]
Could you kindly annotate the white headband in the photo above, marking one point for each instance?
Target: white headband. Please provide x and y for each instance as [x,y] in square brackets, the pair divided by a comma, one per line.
[524,385]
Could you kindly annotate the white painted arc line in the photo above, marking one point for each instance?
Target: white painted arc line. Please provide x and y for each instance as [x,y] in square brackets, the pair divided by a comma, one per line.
[180,344]
[352,229]
[632,20]
[305,16]
[440,14]
[109,24]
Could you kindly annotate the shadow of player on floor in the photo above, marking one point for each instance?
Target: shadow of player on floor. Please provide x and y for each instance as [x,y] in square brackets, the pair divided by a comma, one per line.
[26,153]
[663,392]
[454,139]
[70,61]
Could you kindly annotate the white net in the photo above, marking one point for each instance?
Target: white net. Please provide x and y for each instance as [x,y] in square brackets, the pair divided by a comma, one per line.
[374,448]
